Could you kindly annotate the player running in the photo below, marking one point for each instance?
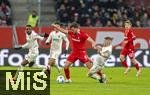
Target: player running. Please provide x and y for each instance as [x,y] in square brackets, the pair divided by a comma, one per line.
[32,44]
[78,38]
[128,49]
[56,37]
[104,52]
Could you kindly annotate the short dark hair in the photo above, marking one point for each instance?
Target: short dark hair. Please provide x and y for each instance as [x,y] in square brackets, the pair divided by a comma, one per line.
[58,23]
[108,38]
[74,25]
[28,25]
[128,21]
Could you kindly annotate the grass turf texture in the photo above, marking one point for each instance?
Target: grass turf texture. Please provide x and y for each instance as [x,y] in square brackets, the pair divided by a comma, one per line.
[118,83]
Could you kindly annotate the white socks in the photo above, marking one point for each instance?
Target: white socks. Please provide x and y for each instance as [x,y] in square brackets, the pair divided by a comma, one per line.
[95,76]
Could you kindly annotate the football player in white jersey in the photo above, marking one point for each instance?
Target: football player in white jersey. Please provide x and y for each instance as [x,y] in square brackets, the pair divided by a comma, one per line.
[32,44]
[56,38]
[104,51]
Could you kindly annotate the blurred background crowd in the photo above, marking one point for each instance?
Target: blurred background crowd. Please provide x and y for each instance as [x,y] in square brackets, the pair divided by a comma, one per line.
[98,13]
[101,13]
[5,13]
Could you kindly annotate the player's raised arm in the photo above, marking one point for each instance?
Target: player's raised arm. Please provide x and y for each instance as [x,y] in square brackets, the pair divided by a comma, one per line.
[59,28]
[18,47]
[26,45]
[92,42]
[49,39]
[67,41]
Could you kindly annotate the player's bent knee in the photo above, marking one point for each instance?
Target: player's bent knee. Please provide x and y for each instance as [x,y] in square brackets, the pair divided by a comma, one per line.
[133,60]
[89,74]
[51,63]
[66,67]
[122,58]
[67,64]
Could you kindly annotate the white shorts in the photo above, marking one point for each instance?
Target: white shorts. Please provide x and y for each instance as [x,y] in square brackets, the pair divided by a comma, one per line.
[97,65]
[54,54]
[95,69]
[31,57]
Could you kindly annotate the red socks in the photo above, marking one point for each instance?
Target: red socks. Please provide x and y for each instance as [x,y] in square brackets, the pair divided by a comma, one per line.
[67,73]
[124,63]
[137,66]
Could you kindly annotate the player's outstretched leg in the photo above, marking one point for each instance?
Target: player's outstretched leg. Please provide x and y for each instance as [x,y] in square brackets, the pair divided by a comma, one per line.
[93,73]
[58,68]
[67,71]
[47,68]
[20,68]
[136,65]
[123,61]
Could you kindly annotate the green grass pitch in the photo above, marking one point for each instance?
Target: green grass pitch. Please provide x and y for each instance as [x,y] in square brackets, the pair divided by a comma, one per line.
[118,83]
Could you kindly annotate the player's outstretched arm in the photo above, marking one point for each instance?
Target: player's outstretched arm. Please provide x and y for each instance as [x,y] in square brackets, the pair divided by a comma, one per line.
[18,47]
[26,45]
[39,37]
[67,41]
[92,42]
[48,39]
[59,28]
[105,54]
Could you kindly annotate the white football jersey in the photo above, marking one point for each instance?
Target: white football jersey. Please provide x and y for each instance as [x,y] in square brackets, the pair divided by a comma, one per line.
[107,49]
[56,39]
[32,43]
[99,60]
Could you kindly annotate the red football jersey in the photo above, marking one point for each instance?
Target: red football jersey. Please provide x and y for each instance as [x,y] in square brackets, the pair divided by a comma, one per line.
[78,40]
[129,36]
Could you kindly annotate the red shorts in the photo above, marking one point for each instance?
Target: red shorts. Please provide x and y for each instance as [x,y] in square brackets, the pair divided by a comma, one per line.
[82,56]
[129,52]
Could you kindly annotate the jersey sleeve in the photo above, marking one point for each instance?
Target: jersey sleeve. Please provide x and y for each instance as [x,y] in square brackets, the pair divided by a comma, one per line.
[66,40]
[131,36]
[49,38]
[26,45]
[69,32]
[85,36]
[37,36]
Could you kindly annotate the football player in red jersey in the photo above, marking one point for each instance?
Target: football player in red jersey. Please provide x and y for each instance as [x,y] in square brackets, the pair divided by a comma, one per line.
[78,38]
[128,48]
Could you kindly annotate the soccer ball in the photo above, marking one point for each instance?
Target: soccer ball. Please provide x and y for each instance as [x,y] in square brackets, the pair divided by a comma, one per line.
[60,79]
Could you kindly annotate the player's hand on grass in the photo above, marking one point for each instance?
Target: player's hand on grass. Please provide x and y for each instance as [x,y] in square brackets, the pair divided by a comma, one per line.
[17,47]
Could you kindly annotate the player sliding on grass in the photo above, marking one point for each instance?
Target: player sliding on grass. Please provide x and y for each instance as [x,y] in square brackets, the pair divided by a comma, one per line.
[33,46]
[128,48]
[78,38]
[56,37]
[104,52]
